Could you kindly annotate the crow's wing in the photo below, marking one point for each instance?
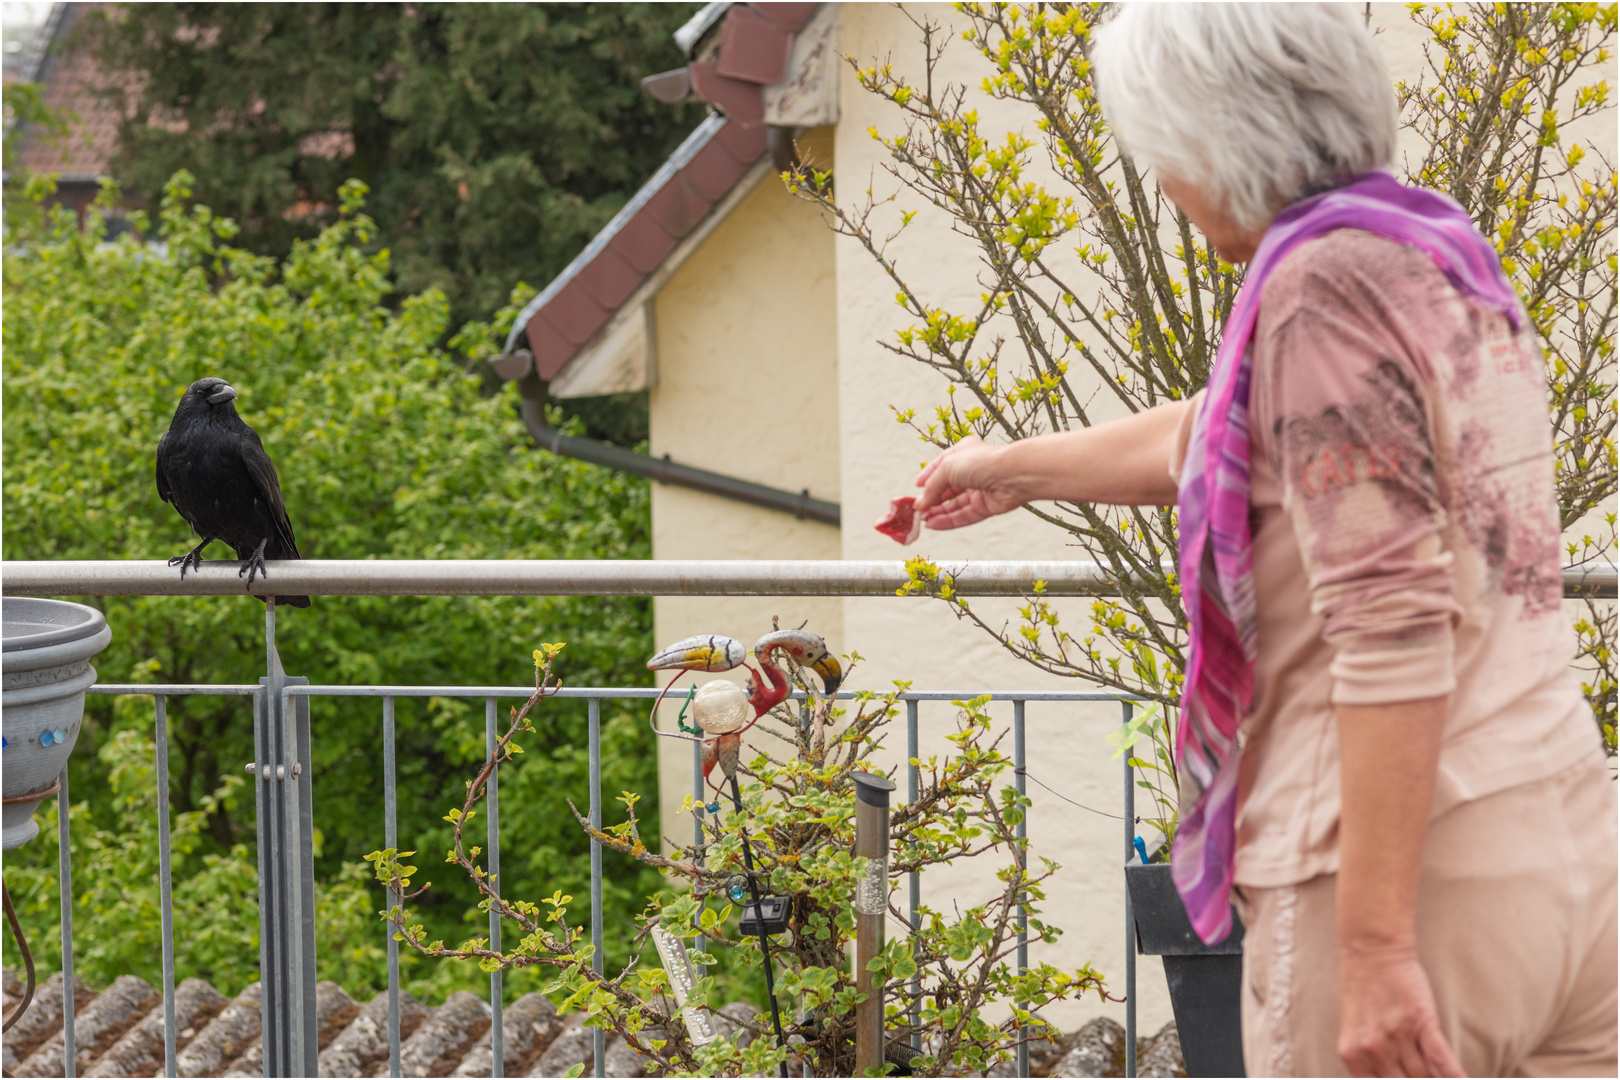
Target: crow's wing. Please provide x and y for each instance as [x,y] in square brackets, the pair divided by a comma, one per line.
[263,472]
[162,481]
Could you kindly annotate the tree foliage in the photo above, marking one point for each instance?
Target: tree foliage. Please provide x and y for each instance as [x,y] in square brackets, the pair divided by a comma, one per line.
[496,139]
[797,814]
[1095,295]
[386,449]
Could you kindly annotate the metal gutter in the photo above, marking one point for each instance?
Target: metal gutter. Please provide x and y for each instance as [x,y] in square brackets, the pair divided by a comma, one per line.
[589,577]
[665,471]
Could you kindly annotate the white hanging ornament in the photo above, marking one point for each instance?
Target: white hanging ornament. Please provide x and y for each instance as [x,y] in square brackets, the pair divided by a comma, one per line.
[720,707]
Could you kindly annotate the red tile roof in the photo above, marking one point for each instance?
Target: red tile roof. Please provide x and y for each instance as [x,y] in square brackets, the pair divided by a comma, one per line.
[754,43]
[73,83]
[683,192]
[118,1032]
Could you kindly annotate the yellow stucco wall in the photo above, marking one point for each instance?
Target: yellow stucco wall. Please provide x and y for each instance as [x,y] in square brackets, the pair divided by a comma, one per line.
[747,365]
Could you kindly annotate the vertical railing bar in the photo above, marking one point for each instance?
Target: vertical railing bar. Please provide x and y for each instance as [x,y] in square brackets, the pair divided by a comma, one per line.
[160,752]
[598,1036]
[1021,830]
[301,800]
[497,1040]
[263,774]
[1130,919]
[391,841]
[915,882]
[64,870]
[300,978]
[804,1012]
[699,945]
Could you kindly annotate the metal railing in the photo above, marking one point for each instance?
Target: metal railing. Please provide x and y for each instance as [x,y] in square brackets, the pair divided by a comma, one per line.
[284,793]
[594,577]
[286,883]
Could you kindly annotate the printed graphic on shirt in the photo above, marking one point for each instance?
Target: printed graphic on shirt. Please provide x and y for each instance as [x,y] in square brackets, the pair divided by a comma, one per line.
[1373,472]
[1502,469]
[1361,471]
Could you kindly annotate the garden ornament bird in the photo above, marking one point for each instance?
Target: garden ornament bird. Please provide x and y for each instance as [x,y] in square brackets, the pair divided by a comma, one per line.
[720,708]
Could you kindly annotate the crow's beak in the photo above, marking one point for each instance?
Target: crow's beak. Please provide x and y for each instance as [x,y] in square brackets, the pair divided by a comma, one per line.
[222,395]
[706,652]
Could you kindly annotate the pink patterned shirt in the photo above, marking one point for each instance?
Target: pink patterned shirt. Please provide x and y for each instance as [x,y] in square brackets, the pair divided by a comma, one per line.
[1406,542]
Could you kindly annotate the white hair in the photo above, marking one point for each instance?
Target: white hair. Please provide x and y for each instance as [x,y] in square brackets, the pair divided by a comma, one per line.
[1258,104]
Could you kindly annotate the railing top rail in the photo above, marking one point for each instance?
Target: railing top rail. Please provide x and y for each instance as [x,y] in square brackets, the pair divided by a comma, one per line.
[625,693]
[537,577]
[589,577]
[176,689]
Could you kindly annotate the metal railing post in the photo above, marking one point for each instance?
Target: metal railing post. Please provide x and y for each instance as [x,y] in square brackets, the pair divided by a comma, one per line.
[594,716]
[160,754]
[915,882]
[64,871]
[1130,917]
[492,826]
[391,841]
[1021,831]
[287,875]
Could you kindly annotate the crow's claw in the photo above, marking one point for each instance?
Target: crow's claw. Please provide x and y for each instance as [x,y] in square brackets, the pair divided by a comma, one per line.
[192,558]
[253,565]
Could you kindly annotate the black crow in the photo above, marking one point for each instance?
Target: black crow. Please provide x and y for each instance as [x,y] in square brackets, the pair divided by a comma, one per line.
[214,470]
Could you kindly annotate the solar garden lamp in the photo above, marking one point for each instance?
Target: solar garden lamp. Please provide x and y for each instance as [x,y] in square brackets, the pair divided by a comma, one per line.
[871,908]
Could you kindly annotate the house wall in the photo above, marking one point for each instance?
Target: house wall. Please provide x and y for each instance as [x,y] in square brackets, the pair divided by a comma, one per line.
[747,370]
[920,640]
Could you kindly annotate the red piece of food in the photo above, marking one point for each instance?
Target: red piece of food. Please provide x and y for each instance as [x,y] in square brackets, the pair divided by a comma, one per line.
[901,524]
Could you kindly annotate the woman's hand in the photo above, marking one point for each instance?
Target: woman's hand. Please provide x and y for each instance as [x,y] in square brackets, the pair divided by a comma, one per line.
[1389,755]
[1388,1025]
[966,484]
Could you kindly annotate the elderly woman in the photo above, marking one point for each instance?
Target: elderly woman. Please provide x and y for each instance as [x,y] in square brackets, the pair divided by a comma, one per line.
[1386,760]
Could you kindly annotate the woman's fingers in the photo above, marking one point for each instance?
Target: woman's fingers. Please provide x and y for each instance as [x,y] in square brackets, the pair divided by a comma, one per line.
[1388,1022]
[937,478]
[1439,1058]
[964,508]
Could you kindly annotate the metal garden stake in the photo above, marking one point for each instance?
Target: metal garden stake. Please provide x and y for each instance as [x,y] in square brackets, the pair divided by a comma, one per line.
[871,907]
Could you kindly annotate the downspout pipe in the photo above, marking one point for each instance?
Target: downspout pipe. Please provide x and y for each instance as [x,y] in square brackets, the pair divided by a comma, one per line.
[800,504]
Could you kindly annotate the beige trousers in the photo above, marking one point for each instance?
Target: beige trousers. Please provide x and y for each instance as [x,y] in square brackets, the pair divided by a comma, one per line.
[1516,929]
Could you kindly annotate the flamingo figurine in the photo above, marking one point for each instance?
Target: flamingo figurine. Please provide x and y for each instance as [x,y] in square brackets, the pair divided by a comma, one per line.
[721,708]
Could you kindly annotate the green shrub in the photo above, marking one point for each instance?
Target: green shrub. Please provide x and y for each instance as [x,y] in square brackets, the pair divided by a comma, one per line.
[386,450]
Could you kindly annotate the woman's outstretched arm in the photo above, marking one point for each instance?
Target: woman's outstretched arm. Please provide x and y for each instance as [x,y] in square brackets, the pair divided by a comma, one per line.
[1124,462]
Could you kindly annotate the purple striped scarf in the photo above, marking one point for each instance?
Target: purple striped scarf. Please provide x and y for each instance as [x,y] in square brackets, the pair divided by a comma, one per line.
[1217,557]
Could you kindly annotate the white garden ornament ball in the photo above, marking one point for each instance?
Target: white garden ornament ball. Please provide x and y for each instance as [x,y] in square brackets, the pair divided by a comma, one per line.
[721,707]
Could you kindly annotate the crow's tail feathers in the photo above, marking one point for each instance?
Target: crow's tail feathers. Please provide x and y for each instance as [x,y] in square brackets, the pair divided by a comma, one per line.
[291,601]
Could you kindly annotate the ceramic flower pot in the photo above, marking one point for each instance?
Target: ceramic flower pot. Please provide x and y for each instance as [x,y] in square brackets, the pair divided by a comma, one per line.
[1205,981]
[45,669]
